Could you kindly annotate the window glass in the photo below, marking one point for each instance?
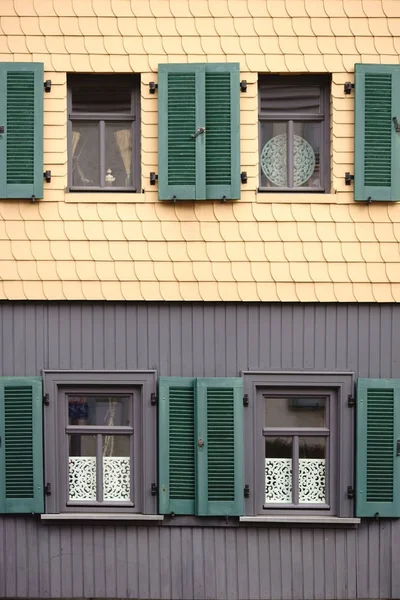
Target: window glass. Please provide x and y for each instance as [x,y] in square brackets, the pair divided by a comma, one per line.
[82,479]
[116,468]
[278,470]
[85,147]
[118,154]
[312,470]
[109,411]
[302,411]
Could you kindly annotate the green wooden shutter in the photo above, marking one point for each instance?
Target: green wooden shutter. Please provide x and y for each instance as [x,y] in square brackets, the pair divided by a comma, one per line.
[219,468]
[377,144]
[190,97]
[21,451]
[377,463]
[222,131]
[21,144]
[176,446]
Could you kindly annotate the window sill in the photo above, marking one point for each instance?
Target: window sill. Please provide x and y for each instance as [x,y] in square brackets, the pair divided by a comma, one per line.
[100,517]
[302,520]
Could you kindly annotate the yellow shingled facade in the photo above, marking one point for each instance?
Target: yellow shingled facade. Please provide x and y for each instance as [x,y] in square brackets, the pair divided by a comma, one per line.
[263,247]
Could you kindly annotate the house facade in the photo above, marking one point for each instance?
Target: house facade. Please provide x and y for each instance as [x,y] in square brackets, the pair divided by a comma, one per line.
[199,288]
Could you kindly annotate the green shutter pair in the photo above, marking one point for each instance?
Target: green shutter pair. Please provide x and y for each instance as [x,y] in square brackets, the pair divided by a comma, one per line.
[201,446]
[198,132]
[21,130]
[378,448]
[377,133]
[21,445]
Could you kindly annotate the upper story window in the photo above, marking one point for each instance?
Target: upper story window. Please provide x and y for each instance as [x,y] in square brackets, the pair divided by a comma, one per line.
[294,133]
[104,133]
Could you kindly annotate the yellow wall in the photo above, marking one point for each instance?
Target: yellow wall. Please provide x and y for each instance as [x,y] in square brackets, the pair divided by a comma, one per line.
[321,247]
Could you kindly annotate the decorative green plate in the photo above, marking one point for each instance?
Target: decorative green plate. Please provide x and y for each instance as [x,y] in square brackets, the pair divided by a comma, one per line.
[274,160]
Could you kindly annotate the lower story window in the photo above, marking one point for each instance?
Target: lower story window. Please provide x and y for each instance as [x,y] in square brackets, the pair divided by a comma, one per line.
[101,454]
[296,466]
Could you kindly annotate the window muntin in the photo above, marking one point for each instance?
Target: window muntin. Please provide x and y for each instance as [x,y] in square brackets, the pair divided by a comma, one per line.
[104,133]
[297,441]
[294,133]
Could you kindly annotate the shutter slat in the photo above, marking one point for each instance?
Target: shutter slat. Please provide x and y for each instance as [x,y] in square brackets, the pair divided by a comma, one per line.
[176,446]
[219,417]
[21,145]
[378,428]
[377,145]
[22,461]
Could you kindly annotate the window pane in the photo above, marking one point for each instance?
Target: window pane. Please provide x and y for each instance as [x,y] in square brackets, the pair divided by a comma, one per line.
[307,154]
[278,470]
[118,154]
[101,93]
[116,468]
[302,411]
[110,411]
[85,146]
[288,97]
[312,470]
[273,158]
[82,467]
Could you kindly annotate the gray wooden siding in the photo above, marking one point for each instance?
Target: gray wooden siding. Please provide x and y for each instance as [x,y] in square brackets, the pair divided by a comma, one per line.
[123,560]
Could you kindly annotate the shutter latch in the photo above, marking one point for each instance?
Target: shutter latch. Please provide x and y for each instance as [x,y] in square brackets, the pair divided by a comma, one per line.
[396,124]
[47,176]
[199,132]
[348,178]
[153,87]
[153,178]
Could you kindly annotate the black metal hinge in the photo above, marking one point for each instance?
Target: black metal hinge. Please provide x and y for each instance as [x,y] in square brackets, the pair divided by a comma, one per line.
[246,400]
[154,489]
[47,85]
[351,401]
[243,176]
[348,86]
[247,491]
[47,176]
[47,489]
[153,87]
[243,85]
[153,399]
[153,178]
[348,178]
[46,399]
[351,492]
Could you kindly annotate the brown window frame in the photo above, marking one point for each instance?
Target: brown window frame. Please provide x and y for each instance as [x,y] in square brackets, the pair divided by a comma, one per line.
[323,82]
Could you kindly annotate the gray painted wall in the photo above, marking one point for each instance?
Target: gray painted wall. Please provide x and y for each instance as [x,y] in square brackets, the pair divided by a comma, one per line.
[128,561]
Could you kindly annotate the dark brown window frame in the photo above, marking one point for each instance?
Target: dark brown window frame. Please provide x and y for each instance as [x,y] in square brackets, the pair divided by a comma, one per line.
[133,116]
[323,81]
[140,385]
[340,386]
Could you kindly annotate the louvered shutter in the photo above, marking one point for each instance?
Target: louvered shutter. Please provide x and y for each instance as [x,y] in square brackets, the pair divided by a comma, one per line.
[219,473]
[204,166]
[21,450]
[21,140]
[377,143]
[176,446]
[378,431]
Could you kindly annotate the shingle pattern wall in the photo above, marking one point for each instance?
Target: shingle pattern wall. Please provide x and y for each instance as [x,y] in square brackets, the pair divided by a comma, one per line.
[264,247]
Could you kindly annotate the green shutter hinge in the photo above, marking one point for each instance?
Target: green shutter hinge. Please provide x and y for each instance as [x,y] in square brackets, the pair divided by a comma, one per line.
[348,178]
[47,86]
[351,401]
[46,399]
[348,86]
[153,399]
